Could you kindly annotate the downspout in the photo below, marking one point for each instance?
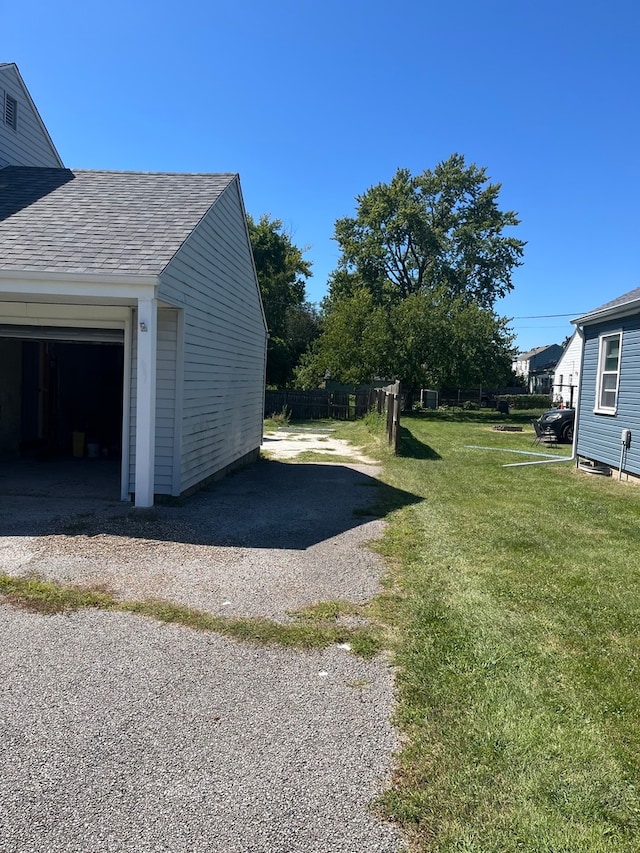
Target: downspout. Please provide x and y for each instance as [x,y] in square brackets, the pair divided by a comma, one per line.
[264,382]
[574,445]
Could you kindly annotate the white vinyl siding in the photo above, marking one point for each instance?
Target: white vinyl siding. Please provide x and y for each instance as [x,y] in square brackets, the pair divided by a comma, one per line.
[608,373]
[567,374]
[165,402]
[213,277]
[29,143]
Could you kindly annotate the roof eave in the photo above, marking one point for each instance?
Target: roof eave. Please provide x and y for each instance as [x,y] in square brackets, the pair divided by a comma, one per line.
[76,287]
[74,277]
[612,313]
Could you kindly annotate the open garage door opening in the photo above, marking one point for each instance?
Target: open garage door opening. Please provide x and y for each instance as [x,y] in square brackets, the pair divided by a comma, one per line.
[61,401]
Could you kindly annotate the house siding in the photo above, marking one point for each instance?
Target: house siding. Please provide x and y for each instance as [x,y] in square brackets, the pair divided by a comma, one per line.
[29,144]
[212,277]
[566,379]
[599,435]
[165,402]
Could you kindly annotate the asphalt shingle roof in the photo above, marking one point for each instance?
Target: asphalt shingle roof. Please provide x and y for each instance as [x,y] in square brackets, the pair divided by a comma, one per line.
[525,356]
[631,296]
[59,220]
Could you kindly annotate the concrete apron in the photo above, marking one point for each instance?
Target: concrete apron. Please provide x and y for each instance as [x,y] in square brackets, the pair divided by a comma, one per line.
[61,478]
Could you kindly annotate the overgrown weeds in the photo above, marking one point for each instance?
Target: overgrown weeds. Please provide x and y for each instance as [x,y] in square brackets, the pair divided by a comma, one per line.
[278,419]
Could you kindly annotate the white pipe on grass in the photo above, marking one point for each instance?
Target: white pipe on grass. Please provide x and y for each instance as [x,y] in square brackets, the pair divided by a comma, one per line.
[540,462]
[548,458]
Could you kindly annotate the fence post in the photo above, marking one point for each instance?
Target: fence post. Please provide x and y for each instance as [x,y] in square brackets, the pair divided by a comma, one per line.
[396,418]
[392,401]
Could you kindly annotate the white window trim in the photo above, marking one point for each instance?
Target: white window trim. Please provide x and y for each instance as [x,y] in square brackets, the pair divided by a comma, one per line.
[602,340]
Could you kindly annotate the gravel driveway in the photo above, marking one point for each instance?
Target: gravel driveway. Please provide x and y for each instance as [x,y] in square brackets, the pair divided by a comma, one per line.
[123,734]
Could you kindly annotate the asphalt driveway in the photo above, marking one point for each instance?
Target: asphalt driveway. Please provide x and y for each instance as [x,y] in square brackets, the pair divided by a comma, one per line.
[122,734]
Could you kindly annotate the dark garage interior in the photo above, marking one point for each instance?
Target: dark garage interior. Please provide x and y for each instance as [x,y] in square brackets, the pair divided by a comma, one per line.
[61,401]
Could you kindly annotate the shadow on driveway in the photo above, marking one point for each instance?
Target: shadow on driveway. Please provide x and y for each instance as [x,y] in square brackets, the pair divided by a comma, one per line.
[266,505]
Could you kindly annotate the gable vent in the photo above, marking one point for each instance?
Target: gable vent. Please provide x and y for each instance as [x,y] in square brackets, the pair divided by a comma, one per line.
[11,112]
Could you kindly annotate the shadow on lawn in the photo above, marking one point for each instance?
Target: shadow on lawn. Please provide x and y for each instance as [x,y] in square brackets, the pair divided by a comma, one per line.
[412,448]
[479,416]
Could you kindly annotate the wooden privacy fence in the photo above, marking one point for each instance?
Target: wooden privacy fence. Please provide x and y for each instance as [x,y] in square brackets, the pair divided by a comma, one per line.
[312,405]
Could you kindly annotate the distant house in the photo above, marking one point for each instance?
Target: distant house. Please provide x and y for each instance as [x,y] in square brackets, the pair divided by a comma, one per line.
[537,366]
[131,323]
[566,378]
[609,399]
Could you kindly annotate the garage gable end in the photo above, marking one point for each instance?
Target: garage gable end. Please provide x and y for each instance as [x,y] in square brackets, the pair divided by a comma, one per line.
[24,140]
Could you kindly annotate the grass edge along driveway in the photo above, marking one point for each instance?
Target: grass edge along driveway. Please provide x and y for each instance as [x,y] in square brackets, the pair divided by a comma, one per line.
[514,595]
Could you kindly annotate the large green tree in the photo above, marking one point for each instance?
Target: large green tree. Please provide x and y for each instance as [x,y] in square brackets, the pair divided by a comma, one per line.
[441,230]
[422,263]
[425,340]
[282,273]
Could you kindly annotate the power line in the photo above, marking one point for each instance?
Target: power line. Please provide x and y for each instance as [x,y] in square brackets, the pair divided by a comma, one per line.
[546,316]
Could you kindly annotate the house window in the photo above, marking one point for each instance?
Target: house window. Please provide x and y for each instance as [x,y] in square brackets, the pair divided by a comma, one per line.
[608,373]
[11,111]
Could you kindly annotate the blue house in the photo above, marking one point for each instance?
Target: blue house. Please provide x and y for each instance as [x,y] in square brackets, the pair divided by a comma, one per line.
[609,399]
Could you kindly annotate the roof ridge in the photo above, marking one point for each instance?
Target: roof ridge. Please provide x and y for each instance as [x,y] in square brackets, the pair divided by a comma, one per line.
[140,172]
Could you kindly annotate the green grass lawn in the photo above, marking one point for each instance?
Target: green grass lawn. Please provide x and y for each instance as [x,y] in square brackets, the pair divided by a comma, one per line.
[513,595]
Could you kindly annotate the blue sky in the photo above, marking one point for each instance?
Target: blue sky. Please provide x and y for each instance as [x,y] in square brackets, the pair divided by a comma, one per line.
[314,102]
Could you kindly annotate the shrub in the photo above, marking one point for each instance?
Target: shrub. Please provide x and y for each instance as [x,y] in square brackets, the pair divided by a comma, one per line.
[277,419]
[527,401]
[374,421]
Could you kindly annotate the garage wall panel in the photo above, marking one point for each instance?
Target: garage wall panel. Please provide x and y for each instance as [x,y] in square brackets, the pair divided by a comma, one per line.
[165,402]
[213,279]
